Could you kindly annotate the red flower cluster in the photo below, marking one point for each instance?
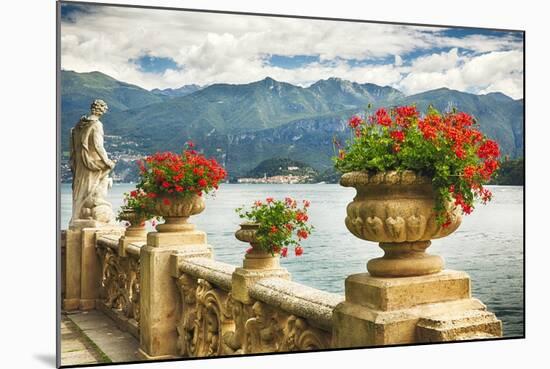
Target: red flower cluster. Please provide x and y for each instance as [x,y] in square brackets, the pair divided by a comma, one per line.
[449,147]
[171,173]
[355,121]
[301,217]
[398,136]
[405,115]
[455,129]
[282,223]
[383,118]
[138,202]
[302,234]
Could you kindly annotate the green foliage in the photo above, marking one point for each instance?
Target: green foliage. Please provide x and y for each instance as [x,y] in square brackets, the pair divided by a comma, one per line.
[281,224]
[331,175]
[279,166]
[139,203]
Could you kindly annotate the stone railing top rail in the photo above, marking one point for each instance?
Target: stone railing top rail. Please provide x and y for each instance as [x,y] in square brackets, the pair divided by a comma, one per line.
[307,302]
[134,248]
[111,241]
[108,240]
[210,270]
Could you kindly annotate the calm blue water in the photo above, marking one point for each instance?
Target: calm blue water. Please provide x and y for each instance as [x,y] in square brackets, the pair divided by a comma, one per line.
[488,245]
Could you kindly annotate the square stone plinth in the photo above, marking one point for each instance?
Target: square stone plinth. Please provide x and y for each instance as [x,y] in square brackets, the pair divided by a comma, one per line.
[82,269]
[431,308]
[167,239]
[399,293]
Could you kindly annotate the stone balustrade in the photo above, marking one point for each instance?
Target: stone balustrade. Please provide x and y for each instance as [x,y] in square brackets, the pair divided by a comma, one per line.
[281,315]
[119,292]
[169,292]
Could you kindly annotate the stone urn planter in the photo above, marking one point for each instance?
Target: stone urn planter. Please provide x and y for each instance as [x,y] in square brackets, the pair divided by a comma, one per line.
[396,209]
[176,211]
[136,229]
[257,258]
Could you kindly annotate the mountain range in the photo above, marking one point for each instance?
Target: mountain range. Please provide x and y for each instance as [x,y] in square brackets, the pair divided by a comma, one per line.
[242,125]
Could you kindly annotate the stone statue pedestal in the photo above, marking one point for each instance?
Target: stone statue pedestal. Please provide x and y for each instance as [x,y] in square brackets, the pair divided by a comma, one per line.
[83,271]
[159,305]
[430,308]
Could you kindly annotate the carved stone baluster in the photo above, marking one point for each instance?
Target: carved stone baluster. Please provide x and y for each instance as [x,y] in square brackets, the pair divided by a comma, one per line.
[133,289]
[234,340]
[300,336]
[113,280]
[187,327]
[213,319]
[263,331]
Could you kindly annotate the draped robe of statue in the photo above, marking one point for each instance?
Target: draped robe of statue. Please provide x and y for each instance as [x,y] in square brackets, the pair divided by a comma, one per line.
[90,166]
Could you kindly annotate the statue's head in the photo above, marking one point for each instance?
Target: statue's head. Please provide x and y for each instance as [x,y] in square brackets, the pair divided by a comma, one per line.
[98,107]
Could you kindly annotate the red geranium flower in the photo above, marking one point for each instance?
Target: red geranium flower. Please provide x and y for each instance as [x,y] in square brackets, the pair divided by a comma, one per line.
[302,234]
[383,118]
[398,136]
[355,121]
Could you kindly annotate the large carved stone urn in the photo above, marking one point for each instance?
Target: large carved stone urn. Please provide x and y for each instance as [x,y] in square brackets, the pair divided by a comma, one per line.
[176,211]
[396,209]
[136,229]
[257,257]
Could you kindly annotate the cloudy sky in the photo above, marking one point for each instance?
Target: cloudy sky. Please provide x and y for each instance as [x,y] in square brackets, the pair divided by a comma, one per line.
[166,48]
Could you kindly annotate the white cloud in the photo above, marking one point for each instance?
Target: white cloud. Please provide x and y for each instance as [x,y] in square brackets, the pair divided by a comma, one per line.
[437,62]
[491,72]
[213,48]
[398,61]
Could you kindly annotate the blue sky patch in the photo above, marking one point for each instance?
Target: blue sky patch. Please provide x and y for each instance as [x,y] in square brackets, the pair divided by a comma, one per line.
[155,64]
[70,12]
[291,62]
[463,32]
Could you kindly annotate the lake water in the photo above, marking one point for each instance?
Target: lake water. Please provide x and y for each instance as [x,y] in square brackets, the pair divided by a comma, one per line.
[488,245]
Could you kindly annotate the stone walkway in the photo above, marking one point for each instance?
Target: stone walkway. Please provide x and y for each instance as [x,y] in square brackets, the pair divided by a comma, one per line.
[75,348]
[90,337]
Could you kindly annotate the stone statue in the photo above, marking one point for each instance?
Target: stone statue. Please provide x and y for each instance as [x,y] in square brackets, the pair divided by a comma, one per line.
[90,167]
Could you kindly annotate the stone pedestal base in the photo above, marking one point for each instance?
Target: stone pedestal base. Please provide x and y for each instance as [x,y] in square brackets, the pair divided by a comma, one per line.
[159,305]
[431,308]
[82,269]
[166,239]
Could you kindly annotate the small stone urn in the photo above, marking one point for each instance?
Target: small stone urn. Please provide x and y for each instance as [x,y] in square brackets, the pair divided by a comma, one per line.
[396,209]
[176,210]
[136,229]
[257,258]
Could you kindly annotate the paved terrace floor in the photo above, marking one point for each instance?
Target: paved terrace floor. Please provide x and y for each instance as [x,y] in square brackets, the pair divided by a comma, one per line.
[91,337]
